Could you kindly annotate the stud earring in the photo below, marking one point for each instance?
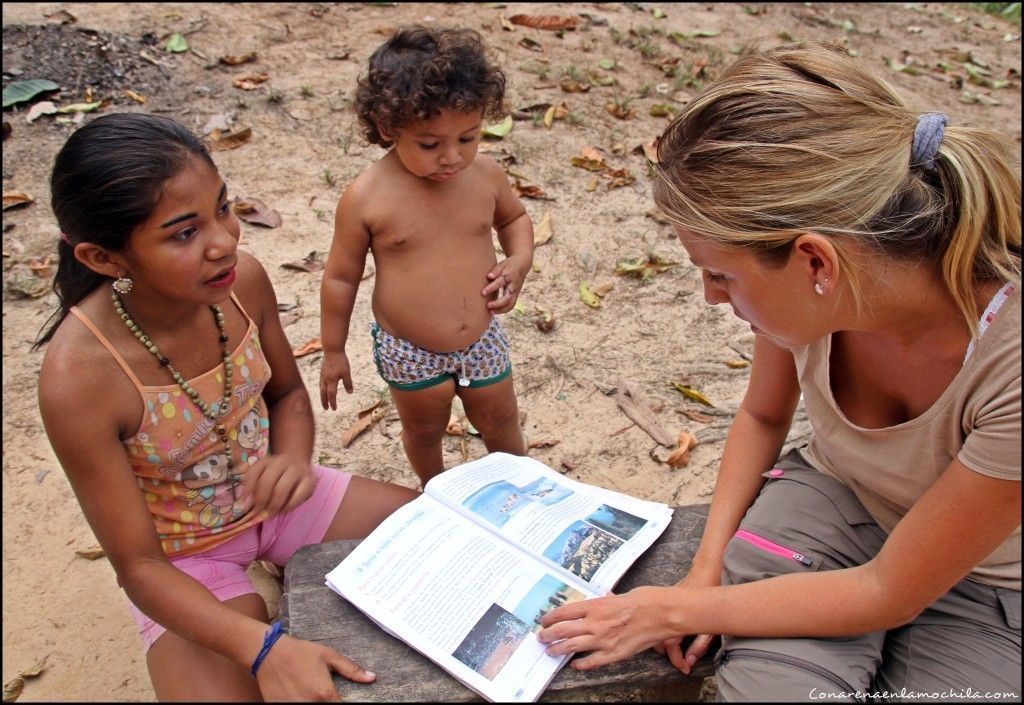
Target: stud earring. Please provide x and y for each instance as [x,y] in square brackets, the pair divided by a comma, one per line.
[123,284]
[819,287]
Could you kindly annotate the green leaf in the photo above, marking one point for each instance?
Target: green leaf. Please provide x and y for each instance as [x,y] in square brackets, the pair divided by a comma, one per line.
[680,37]
[21,91]
[606,64]
[659,14]
[80,107]
[177,43]
[499,130]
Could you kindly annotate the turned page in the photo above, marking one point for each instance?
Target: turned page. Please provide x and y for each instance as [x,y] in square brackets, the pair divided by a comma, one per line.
[593,534]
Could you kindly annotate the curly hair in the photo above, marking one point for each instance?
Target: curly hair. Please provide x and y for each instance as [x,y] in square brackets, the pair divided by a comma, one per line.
[421,71]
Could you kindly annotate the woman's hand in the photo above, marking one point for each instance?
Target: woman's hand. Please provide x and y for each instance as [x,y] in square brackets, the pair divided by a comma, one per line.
[611,628]
[300,670]
[278,483]
[334,367]
[700,644]
[506,282]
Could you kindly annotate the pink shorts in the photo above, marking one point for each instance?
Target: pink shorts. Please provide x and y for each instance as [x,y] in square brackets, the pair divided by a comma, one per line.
[222,568]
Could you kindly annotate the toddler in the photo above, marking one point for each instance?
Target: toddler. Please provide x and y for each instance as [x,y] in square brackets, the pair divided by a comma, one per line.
[426,210]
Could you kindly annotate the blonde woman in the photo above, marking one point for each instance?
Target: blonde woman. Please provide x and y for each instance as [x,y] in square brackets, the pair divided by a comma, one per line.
[875,253]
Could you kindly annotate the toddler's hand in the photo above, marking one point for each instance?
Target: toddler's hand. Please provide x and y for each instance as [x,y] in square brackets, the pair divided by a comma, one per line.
[334,367]
[278,483]
[506,281]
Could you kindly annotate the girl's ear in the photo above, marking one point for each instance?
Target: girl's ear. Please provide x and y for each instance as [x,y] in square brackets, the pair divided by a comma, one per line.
[100,260]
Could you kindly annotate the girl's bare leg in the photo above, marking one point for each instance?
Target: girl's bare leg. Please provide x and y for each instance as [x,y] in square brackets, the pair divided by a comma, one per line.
[495,414]
[183,671]
[424,414]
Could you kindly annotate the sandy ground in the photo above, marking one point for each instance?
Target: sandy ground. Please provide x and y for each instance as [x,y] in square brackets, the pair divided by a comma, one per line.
[67,609]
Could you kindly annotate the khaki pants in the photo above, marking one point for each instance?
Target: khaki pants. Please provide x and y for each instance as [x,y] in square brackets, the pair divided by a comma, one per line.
[966,646]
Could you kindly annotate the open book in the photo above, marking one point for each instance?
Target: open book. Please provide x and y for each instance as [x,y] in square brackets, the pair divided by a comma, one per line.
[464,573]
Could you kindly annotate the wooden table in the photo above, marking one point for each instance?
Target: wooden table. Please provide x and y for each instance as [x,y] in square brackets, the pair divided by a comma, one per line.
[310,610]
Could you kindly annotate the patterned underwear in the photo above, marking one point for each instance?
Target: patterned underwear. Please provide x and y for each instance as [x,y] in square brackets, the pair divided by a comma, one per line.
[406,366]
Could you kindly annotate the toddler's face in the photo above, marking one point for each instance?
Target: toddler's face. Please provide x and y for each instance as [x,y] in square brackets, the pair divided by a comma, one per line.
[439,148]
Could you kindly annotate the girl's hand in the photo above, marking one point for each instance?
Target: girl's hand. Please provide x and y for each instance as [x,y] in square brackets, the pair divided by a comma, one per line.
[278,483]
[700,644]
[611,628]
[301,671]
[333,367]
[506,281]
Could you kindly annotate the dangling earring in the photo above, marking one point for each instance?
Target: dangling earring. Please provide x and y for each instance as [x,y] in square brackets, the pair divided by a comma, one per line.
[123,284]
[819,288]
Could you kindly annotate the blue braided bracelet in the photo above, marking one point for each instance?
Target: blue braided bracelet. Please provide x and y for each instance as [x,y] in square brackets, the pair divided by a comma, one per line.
[275,633]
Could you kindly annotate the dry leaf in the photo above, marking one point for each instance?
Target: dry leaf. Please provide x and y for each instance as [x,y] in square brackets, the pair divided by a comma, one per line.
[545,443]
[543,232]
[41,267]
[12,199]
[551,22]
[623,112]
[549,117]
[220,141]
[255,211]
[235,60]
[568,464]
[311,346]
[91,553]
[454,427]
[530,44]
[602,289]
[691,393]
[534,192]
[43,107]
[656,214]
[570,86]
[644,268]
[696,416]
[250,82]
[737,364]
[310,263]
[361,424]
[505,24]
[589,297]
[545,321]
[680,457]
[13,688]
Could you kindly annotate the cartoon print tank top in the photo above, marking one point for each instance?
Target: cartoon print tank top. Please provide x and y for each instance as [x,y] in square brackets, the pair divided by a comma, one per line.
[178,459]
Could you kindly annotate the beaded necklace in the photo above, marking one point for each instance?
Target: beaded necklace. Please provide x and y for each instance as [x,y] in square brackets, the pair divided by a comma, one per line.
[207,411]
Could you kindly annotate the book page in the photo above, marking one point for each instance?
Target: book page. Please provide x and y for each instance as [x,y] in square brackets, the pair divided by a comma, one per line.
[591,533]
[460,595]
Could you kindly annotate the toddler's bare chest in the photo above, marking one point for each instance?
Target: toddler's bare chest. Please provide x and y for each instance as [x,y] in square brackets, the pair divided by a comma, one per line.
[414,222]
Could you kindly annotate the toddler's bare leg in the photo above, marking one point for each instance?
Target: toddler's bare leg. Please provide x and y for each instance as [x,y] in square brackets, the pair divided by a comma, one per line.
[424,414]
[182,670]
[493,411]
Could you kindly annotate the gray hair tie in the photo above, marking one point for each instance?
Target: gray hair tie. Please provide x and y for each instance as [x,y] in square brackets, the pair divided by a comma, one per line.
[927,137]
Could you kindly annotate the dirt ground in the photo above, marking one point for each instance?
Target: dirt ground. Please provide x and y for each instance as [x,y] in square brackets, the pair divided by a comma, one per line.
[634,59]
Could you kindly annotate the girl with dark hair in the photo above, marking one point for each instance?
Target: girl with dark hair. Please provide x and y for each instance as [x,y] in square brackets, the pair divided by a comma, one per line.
[192,458]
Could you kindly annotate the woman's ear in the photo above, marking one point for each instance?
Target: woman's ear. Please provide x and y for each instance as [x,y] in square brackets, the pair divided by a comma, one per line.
[100,260]
[818,259]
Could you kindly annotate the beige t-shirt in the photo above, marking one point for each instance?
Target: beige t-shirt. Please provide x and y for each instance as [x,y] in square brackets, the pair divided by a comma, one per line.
[976,420]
